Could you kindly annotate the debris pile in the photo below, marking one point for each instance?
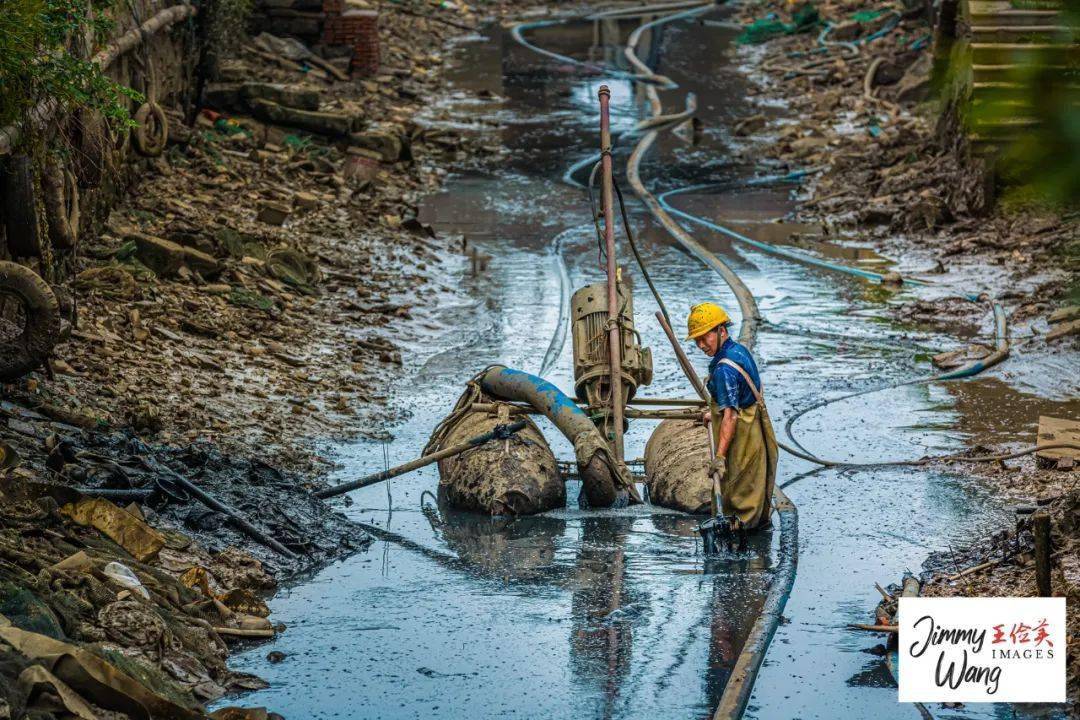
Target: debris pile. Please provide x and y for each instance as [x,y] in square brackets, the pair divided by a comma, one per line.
[100,610]
[247,298]
[856,79]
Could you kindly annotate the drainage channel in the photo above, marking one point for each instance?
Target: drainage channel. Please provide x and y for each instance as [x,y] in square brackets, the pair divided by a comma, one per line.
[614,613]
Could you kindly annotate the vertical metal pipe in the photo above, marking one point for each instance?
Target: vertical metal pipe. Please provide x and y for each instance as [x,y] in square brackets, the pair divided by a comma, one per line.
[614,332]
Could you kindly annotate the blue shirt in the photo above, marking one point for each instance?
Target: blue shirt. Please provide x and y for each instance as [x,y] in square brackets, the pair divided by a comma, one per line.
[726,384]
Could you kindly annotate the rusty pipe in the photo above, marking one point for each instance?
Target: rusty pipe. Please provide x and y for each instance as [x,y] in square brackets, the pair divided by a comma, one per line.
[614,333]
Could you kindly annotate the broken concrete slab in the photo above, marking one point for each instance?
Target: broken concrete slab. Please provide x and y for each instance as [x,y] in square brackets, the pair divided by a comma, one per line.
[386,145]
[273,213]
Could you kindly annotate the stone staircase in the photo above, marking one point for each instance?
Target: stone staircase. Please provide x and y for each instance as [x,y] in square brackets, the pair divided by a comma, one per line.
[1005,38]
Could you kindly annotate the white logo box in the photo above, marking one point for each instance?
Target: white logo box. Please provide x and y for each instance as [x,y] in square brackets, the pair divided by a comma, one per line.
[982,649]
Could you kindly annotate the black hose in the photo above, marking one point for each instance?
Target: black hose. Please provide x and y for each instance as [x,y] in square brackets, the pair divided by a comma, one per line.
[637,255]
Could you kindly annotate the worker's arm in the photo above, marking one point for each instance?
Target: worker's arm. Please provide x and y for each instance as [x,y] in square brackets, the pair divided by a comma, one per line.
[728,419]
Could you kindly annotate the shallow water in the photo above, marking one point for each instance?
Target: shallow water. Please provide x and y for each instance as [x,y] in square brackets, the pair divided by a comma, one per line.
[614,613]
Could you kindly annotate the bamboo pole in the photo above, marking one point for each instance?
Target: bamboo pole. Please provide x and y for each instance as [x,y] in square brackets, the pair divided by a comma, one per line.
[658,414]
[614,332]
[500,432]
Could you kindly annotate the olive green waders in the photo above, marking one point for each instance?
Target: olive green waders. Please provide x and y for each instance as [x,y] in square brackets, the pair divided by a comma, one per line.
[746,489]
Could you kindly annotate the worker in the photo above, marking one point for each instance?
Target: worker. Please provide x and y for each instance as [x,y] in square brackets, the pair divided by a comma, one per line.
[742,432]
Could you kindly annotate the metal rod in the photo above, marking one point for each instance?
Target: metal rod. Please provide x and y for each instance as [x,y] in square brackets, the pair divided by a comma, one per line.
[664,414]
[500,432]
[214,504]
[614,332]
[658,414]
[662,402]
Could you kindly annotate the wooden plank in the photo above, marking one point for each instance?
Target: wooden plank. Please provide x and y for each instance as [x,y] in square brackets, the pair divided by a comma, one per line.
[1057,430]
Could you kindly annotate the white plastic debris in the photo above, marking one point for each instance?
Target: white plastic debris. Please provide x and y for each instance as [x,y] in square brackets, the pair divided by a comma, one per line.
[122,575]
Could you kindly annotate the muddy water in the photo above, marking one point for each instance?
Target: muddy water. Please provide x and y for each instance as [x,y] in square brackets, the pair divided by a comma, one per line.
[614,613]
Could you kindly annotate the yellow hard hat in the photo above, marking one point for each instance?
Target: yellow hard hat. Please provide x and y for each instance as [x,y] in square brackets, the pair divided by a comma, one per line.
[703,318]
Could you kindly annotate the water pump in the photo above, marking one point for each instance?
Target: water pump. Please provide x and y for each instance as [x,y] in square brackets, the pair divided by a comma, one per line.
[592,365]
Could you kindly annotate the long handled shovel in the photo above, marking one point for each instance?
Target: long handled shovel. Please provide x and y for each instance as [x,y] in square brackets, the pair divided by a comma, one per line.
[717,528]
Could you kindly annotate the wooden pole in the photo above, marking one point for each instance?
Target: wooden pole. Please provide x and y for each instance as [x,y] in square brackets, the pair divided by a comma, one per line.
[614,332]
[691,375]
[1040,528]
[684,362]
[502,431]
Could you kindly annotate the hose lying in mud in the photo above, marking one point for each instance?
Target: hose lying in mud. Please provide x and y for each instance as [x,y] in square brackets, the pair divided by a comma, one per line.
[1001,351]
[658,123]
[518,30]
[604,482]
[558,340]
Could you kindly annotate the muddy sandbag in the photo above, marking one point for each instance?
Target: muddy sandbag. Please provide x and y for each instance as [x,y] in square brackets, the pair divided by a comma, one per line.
[516,476]
[677,465]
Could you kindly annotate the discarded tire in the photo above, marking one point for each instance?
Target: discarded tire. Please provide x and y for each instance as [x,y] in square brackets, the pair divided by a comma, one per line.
[152,131]
[19,192]
[29,321]
[517,476]
[676,467]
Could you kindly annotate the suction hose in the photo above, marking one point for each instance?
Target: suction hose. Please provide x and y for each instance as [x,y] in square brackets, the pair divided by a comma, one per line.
[603,484]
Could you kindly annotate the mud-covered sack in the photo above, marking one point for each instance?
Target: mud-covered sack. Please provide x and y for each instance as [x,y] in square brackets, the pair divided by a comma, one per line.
[515,476]
[677,467]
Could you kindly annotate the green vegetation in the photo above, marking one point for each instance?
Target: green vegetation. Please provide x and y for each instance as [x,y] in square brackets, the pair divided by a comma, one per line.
[43,55]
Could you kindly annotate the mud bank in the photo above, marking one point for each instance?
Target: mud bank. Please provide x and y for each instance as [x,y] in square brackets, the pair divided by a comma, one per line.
[856,107]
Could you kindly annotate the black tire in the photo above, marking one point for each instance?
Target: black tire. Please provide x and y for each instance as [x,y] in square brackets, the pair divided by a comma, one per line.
[40,320]
[152,133]
[24,238]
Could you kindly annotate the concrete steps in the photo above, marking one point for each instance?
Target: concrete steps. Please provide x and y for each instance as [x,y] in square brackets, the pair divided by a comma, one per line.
[1016,34]
[1014,18]
[1001,73]
[1006,37]
[1024,53]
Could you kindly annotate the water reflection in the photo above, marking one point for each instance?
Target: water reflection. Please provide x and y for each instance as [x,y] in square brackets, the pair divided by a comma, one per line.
[510,548]
[602,608]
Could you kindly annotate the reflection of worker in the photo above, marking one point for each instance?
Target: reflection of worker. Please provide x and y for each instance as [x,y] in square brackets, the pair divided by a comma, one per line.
[745,444]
